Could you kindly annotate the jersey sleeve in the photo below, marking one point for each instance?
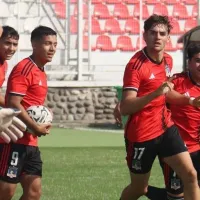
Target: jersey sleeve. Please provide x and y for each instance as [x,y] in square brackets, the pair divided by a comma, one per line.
[18,83]
[132,77]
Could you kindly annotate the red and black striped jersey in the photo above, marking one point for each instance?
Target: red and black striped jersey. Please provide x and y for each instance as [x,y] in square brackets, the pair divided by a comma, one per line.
[187,117]
[29,81]
[144,76]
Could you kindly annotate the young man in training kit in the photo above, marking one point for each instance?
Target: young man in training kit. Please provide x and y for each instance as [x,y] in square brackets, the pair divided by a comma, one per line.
[186,118]
[9,38]
[27,86]
[150,131]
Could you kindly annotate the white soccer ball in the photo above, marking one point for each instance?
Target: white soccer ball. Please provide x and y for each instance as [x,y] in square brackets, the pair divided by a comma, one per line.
[40,114]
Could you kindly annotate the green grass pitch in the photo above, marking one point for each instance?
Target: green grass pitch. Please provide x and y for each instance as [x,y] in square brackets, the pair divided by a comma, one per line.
[85,165]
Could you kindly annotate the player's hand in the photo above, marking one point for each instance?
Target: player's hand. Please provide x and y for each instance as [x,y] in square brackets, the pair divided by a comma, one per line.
[42,129]
[10,126]
[195,101]
[164,88]
[117,114]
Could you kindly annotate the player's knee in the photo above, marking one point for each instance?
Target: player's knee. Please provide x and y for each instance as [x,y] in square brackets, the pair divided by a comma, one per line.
[139,191]
[190,177]
[35,194]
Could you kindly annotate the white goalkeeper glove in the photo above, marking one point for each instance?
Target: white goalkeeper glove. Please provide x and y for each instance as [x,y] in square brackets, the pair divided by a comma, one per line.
[10,126]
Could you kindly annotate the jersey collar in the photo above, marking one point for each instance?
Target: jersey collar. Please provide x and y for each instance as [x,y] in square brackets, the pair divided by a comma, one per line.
[192,80]
[36,64]
[153,61]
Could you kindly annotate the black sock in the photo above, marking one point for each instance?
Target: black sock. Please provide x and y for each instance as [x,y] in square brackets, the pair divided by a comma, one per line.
[169,197]
[155,193]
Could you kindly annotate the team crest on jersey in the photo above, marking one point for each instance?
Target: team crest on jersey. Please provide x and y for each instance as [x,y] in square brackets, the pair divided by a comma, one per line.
[167,70]
[136,164]
[12,172]
[175,184]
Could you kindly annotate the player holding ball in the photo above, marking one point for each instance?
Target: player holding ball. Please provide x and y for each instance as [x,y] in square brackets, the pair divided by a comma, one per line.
[27,86]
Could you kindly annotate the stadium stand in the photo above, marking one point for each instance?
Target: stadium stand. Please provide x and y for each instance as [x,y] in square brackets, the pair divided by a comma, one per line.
[96,29]
[136,11]
[131,1]
[60,10]
[180,11]
[104,43]
[112,1]
[190,2]
[124,43]
[112,26]
[160,9]
[101,11]
[132,26]
[121,11]
[85,11]
[190,23]
[171,2]
[194,11]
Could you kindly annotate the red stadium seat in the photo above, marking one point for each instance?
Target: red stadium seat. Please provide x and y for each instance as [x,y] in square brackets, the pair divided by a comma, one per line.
[171,2]
[73,25]
[136,11]
[190,23]
[190,2]
[96,1]
[152,2]
[138,44]
[195,11]
[112,26]
[180,11]
[131,1]
[112,1]
[73,1]
[104,43]
[176,27]
[124,43]
[121,11]
[160,9]
[85,11]
[60,10]
[101,11]
[132,26]
[96,29]
[169,46]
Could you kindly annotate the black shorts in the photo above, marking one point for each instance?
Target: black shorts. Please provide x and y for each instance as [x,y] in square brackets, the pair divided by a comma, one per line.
[19,159]
[141,155]
[173,183]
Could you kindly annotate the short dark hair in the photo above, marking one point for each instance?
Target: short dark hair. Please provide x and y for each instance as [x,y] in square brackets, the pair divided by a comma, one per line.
[192,49]
[40,31]
[157,19]
[8,31]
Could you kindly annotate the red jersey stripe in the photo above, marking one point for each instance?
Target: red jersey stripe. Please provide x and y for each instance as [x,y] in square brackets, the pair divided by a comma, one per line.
[139,61]
[4,159]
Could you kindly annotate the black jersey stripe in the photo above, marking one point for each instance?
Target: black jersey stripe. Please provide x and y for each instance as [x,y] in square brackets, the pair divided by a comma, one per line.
[27,67]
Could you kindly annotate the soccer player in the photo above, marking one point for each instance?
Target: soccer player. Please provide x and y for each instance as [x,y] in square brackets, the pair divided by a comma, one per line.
[10,125]
[27,86]
[186,118]
[150,130]
[8,46]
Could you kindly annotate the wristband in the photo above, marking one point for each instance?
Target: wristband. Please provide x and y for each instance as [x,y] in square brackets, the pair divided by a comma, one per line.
[191,100]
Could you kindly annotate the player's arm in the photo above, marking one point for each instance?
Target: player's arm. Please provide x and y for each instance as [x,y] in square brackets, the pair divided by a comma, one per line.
[14,101]
[131,104]
[2,99]
[174,97]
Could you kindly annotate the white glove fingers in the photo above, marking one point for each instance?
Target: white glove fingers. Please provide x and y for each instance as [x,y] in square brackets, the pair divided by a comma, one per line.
[16,131]
[12,136]
[5,137]
[18,123]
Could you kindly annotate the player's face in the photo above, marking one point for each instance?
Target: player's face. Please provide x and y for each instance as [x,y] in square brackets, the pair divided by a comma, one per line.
[46,48]
[156,37]
[8,47]
[194,66]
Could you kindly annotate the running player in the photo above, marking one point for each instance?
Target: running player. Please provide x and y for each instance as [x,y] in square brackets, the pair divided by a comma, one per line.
[27,86]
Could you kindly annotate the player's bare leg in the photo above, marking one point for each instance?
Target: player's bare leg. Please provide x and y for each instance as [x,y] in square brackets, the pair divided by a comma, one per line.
[32,188]
[137,187]
[182,165]
[7,190]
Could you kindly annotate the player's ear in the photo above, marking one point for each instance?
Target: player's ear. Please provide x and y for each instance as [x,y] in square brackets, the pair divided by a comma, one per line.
[33,44]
